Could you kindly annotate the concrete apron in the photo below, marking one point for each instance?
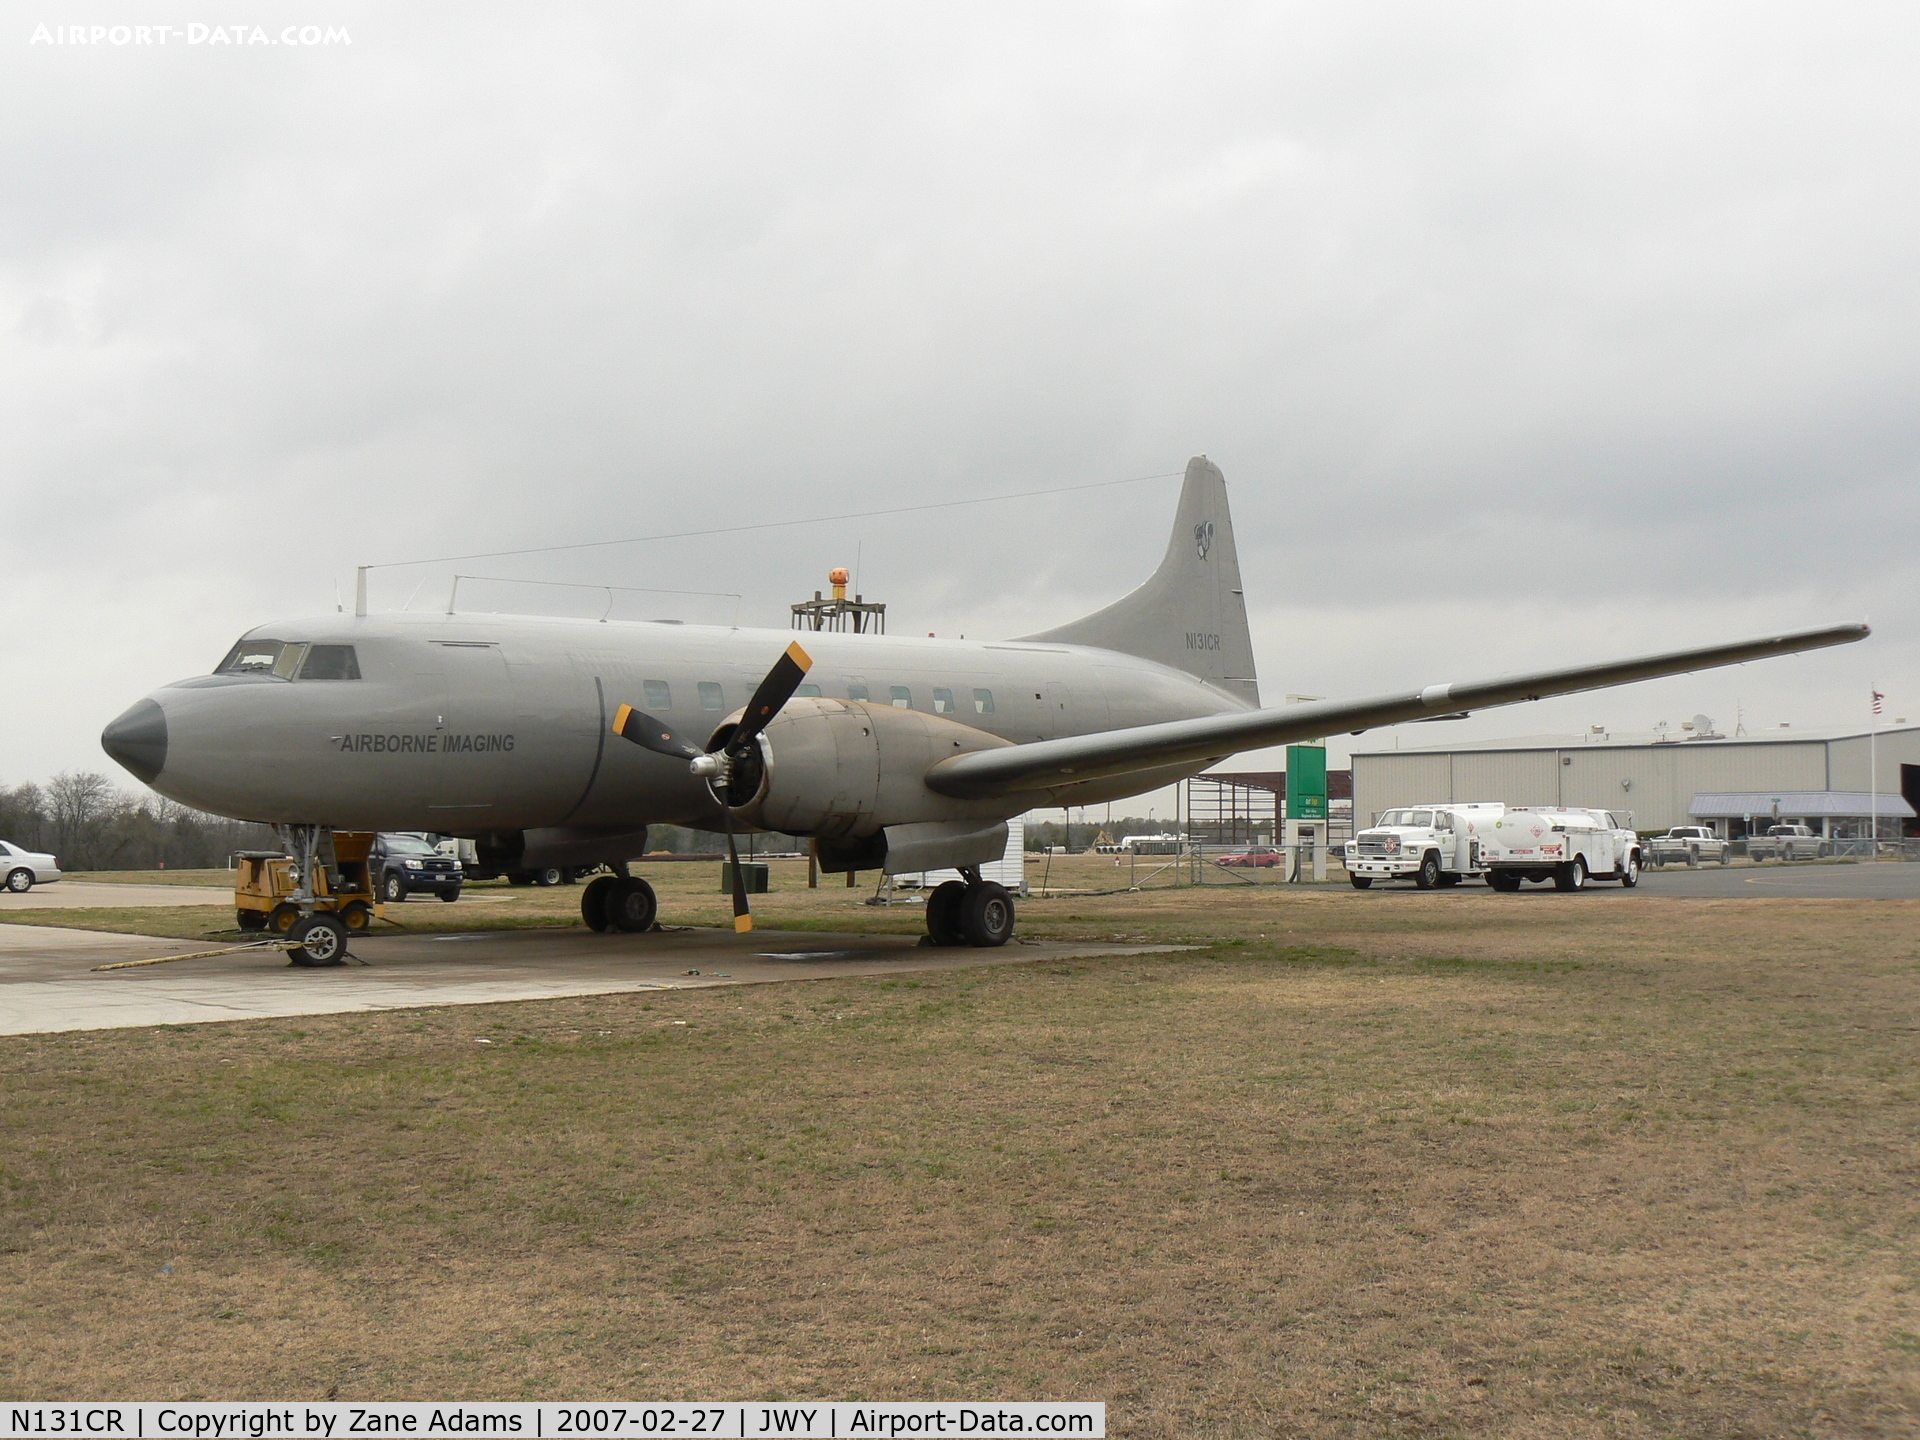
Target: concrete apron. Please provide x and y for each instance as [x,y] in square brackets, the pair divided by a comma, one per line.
[47,982]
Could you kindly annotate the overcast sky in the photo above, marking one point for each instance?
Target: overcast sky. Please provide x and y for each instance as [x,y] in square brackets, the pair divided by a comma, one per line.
[1524,335]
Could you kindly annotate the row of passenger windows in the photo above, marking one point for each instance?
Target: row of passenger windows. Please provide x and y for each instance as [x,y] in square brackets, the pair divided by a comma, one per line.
[901,697]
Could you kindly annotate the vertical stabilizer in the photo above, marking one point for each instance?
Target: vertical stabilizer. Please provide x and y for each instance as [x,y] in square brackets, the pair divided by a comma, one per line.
[1190,614]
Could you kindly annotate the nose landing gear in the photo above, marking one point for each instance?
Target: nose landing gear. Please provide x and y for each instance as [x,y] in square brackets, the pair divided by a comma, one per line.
[971,912]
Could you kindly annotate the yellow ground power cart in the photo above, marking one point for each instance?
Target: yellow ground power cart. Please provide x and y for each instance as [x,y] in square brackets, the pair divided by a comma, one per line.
[263,886]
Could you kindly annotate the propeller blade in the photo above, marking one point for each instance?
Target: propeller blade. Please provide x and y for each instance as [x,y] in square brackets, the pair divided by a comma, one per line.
[651,734]
[742,914]
[785,677]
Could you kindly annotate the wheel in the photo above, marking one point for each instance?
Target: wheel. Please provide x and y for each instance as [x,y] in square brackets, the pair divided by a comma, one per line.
[1361,882]
[1571,876]
[1723,855]
[357,916]
[593,904]
[20,881]
[1630,873]
[943,914]
[519,877]
[281,918]
[551,876]
[393,889]
[450,895]
[1428,875]
[1693,857]
[632,906]
[986,915]
[1503,882]
[569,877]
[1448,879]
[251,919]
[322,940]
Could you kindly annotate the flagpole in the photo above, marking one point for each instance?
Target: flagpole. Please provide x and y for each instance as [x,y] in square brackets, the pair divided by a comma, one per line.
[1873,772]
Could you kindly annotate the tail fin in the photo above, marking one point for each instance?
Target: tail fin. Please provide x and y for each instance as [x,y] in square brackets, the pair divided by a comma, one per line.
[1190,614]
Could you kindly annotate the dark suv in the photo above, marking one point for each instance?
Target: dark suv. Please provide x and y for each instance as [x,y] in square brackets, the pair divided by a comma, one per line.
[402,864]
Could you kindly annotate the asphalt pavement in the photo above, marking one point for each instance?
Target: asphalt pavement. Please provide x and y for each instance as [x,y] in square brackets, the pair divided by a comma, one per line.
[1884,880]
[48,981]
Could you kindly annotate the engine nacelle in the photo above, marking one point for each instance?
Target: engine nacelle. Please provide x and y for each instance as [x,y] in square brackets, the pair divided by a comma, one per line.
[846,769]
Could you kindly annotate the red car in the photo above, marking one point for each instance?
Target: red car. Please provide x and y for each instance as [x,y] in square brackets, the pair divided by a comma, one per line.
[1257,856]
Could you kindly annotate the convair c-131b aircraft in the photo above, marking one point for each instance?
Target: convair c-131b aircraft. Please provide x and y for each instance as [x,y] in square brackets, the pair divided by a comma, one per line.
[555,741]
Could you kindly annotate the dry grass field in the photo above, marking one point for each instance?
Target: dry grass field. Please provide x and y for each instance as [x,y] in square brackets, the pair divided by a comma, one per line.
[1392,1164]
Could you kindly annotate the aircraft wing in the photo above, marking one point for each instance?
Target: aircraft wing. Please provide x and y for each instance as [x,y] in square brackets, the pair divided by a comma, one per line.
[1047,764]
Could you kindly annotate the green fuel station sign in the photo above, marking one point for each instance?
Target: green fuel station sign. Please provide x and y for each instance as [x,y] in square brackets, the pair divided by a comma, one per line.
[1306,782]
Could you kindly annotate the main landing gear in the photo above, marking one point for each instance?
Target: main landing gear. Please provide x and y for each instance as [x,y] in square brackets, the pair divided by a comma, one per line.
[619,902]
[970,912]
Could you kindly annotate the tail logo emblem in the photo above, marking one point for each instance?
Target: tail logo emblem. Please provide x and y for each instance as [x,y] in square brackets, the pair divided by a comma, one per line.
[1203,538]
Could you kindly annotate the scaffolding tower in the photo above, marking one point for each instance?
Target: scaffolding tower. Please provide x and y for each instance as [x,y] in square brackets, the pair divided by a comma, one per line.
[837,612]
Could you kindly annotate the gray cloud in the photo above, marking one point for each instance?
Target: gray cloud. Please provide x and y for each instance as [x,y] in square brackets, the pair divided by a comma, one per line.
[1520,335]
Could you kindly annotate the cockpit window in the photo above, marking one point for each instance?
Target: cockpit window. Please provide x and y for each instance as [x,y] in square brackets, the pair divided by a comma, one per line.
[330,662]
[291,658]
[252,657]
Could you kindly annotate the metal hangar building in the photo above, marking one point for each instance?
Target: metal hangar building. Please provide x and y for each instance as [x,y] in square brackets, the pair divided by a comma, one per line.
[1658,776]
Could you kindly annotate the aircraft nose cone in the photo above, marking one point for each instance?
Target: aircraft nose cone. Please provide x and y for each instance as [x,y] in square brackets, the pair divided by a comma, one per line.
[138,740]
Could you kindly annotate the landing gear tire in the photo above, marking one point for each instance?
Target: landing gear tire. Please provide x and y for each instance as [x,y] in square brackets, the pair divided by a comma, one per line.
[549,877]
[986,915]
[519,877]
[1448,879]
[282,918]
[943,914]
[20,881]
[632,906]
[1428,875]
[393,889]
[1506,884]
[1571,876]
[322,940]
[593,904]
[356,916]
[251,919]
[1630,873]
[450,895]
[1361,882]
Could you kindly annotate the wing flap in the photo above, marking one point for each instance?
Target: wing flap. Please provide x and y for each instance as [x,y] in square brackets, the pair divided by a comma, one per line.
[1046,764]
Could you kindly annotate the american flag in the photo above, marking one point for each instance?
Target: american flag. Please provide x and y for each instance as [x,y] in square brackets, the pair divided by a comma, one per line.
[1877,698]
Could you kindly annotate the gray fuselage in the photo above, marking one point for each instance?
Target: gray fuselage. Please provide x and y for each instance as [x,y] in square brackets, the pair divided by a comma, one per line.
[465,724]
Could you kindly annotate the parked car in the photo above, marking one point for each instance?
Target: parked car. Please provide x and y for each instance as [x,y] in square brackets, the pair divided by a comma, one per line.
[1688,845]
[402,864]
[1253,857]
[21,870]
[1786,842]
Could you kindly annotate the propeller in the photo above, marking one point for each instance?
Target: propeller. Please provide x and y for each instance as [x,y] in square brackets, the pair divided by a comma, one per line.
[717,765]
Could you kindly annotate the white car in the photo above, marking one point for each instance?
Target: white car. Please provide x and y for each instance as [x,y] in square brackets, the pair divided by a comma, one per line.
[21,870]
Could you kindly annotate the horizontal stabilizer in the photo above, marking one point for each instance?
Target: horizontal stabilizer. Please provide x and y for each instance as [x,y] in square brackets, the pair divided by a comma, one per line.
[1050,764]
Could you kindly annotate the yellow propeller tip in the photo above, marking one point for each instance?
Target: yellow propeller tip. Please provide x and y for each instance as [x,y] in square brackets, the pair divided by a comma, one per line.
[620,719]
[742,924]
[799,656]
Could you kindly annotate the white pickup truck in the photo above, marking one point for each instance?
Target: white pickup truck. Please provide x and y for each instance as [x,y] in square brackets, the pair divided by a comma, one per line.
[1428,844]
[1687,845]
[1786,842]
[1568,847]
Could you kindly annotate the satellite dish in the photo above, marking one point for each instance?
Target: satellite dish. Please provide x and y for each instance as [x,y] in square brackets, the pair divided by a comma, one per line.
[1703,725]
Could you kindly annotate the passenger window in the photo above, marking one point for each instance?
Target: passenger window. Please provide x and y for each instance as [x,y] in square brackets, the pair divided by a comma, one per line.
[902,697]
[983,702]
[942,701]
[288,665]
[856,691]
[808,690]
[712,697]
[330,662]
[659,694]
